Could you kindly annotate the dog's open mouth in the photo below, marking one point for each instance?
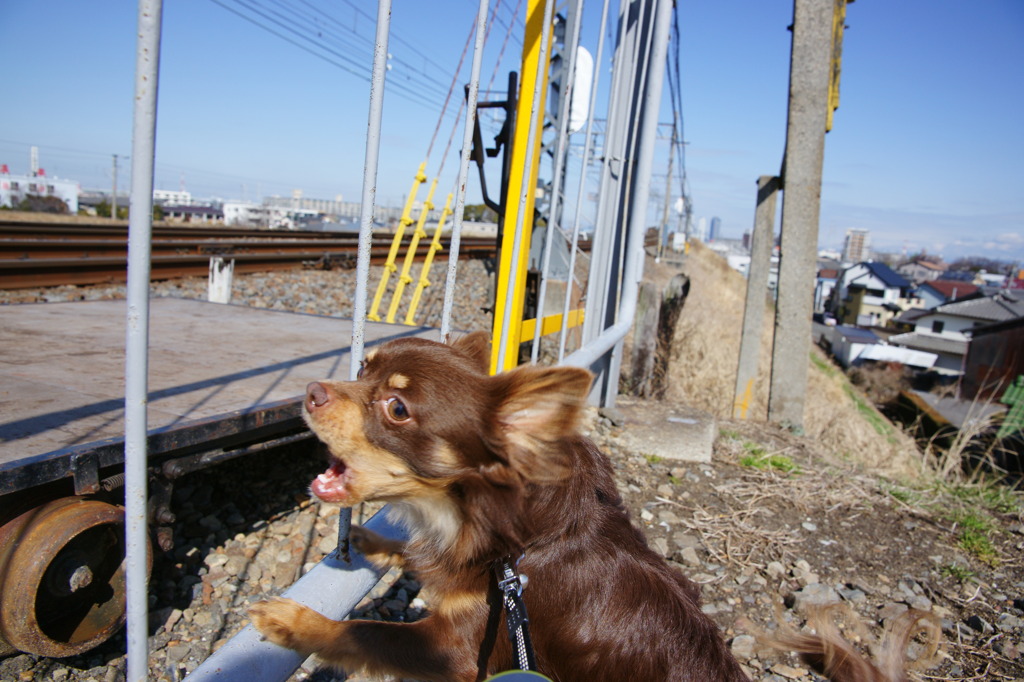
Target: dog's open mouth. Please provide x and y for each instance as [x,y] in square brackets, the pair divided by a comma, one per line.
[330,485]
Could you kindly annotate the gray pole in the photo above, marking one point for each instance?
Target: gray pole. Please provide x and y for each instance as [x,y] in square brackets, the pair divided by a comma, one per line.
[460,195]
[140,228]
[369,197]
[810,65]
[587,145]
[561,149]
[757,290]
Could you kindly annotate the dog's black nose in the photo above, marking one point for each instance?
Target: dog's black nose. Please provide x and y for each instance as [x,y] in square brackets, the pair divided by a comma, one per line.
[316,396]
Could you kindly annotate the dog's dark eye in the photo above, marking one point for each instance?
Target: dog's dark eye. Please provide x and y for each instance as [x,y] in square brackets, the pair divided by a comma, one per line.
[362,368]
[397,410]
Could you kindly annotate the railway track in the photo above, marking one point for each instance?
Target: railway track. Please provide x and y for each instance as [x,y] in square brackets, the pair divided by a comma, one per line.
[50,254]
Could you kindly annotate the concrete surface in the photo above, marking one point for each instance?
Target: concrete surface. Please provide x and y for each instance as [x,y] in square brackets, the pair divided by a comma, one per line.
[674,432]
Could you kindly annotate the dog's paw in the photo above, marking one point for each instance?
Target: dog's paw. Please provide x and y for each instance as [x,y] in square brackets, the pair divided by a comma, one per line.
[375,547]
[284,622]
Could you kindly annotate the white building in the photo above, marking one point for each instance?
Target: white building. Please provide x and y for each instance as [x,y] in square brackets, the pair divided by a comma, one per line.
[16,188]
[246,214]
[167,196]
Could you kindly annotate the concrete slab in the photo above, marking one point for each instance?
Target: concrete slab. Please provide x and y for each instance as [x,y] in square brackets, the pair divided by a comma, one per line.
[62,365]
[668,431]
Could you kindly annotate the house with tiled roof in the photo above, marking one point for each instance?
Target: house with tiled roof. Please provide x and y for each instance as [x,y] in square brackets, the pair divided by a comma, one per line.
[946,330]
[941,291]
[871,294]
[921,270]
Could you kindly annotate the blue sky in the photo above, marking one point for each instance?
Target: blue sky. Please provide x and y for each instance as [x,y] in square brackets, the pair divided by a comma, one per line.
[926,151]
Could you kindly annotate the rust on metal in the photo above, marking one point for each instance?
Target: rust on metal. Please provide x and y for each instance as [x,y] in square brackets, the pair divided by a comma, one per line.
[62,582]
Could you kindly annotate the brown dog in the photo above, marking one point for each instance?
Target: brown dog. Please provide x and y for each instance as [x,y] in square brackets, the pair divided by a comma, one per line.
[482,468]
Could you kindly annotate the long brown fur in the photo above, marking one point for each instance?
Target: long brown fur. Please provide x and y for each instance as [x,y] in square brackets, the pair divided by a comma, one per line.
[480,468]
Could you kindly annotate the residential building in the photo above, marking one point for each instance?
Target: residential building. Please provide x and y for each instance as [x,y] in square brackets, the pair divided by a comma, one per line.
[921,270]
[857,245]
[948,328]
[853,346]
[193,214]
[995,357]
[940,291]
[823,286]
[870,295]
[15,188]
[171,197]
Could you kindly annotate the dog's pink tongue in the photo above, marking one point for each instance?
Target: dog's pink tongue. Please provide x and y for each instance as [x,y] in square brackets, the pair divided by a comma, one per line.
[330,485]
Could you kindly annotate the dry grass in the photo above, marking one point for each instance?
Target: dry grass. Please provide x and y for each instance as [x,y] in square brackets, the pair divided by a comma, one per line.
[703,374]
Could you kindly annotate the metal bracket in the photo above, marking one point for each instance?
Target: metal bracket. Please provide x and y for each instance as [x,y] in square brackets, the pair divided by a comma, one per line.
[86,471]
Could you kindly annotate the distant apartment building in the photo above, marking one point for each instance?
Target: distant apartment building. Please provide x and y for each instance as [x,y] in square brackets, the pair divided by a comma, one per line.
[715,229]
[174,198]
[857,246]
[15,188]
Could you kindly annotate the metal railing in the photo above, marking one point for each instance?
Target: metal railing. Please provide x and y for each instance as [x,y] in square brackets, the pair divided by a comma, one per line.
[337,584]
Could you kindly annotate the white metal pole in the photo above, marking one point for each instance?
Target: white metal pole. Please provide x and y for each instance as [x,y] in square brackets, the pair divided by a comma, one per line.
[140,228]
[460,196]
[561,151]
[587,148]
[369,198]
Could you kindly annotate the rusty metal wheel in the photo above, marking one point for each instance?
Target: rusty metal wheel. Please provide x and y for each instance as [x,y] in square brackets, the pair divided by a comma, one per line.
[62,577]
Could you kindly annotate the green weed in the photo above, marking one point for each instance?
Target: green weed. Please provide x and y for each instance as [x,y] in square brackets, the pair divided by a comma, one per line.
[758,458]
[961,573]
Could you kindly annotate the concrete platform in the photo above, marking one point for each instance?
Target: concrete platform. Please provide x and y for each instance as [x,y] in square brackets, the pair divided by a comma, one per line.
[674,432]
[62,365]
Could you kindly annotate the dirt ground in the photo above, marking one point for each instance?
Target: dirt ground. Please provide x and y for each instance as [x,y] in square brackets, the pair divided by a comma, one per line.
[774,525]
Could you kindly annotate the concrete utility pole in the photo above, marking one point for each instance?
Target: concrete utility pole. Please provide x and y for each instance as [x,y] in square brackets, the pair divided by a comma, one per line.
[761,242]
[809,73]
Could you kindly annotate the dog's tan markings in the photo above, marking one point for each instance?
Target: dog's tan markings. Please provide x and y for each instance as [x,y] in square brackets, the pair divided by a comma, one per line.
[432,518]
[454,605]
[398,381]
[370,355]
[446,456]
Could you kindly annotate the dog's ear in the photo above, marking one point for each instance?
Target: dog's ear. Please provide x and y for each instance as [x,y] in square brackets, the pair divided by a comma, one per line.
[537,408]
[477,347]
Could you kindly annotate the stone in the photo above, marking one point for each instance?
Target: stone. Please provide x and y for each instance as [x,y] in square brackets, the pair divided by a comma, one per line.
[660,545]
[851,593]
[979,624]
[815,594]
[743,647]
[776,570]
[891,611]
[683,540]
[690,557]
[788,671]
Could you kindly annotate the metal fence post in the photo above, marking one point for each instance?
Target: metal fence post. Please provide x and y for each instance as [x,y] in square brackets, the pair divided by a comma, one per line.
[140,228]
[467,145]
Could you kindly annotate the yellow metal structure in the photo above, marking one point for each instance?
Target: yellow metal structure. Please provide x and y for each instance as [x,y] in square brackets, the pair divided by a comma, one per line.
[435,246]
[410,255]
[838,23]
[512,276]
[389,266]
[550,324]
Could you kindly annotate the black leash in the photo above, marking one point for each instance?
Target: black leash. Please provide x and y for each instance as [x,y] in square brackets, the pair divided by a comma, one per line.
[511,585]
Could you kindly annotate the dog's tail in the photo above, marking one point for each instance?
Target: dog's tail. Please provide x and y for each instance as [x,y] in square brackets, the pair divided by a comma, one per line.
[825,649]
